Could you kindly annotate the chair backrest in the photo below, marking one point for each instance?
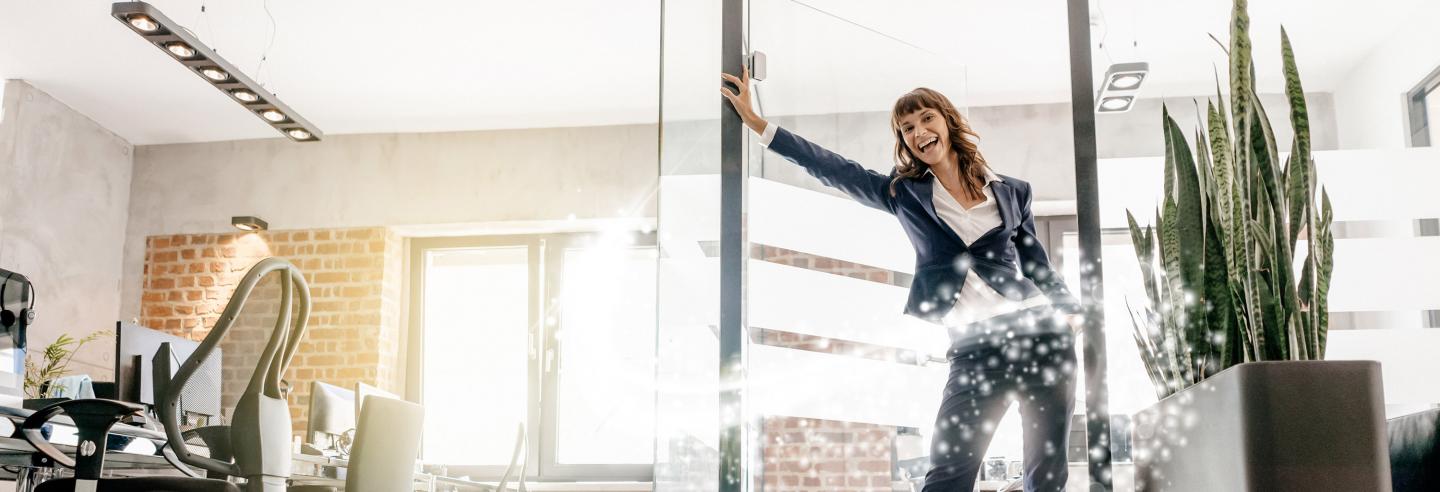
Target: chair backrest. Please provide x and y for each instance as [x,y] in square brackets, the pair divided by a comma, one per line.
[260,425]
[387,442]
[1415,451]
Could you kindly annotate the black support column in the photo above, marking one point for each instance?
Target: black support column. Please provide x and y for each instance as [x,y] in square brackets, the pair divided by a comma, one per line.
[1087,205]
[734,443]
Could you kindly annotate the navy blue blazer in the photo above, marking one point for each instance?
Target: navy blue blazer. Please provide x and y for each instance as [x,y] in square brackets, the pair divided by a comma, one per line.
[1009,258]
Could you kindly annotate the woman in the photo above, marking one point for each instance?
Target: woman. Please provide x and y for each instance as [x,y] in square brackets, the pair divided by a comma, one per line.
[980,271]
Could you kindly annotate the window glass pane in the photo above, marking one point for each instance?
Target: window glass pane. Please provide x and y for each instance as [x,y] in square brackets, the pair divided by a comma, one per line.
[607,367]
[475,382]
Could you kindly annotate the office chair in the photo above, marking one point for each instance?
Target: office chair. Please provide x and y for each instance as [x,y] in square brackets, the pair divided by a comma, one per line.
[259,431]
[387,441]
[386,445]
[259,435]
[1415,451]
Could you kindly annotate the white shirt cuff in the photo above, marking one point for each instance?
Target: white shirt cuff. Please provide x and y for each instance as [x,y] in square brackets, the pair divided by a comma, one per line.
[768,135]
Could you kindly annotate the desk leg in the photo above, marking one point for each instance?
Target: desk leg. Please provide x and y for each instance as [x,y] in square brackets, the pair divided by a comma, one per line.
[24,482]
[30,477]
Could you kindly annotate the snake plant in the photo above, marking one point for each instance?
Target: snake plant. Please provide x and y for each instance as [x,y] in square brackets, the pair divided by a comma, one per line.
[1218,264]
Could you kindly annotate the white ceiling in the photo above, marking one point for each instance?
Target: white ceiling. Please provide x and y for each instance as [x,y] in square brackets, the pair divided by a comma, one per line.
[370,66]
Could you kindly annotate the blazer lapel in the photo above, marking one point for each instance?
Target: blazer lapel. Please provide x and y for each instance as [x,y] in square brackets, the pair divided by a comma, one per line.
[1005,201]
[925,192]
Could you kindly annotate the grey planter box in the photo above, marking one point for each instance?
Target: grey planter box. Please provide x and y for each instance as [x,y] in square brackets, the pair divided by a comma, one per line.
[1268,426]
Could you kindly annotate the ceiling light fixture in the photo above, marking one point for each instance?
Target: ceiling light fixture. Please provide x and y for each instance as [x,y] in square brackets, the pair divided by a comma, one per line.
[248,223]
[1121,87]
[158,30]
[180,50]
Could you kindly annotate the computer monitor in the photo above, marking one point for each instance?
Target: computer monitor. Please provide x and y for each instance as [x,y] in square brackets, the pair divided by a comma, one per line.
[332,413]
[135,350]
[16,296]
[363,390]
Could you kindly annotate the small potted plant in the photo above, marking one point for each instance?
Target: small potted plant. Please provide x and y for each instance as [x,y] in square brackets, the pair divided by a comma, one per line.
[51,364]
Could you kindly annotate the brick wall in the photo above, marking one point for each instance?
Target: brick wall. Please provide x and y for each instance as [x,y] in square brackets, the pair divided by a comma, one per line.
[353,333]
[811,455]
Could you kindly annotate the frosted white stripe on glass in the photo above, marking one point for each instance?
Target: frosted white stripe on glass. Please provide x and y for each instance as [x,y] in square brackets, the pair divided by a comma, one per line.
[1384,274]
[806,301]
[802,220]
[845,389]
[1369,184]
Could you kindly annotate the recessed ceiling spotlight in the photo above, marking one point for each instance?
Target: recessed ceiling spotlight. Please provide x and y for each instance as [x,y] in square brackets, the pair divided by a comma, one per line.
[1116,104]
[144,23]
[180,50]
[244,95]
[164,33]
[215,74]
[1126,81]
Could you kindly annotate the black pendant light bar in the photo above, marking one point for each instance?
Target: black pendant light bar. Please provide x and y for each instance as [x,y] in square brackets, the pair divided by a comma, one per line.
[180,45]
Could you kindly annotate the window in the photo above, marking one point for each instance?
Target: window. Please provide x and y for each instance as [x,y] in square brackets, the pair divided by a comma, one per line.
[1424,109]
[555,333]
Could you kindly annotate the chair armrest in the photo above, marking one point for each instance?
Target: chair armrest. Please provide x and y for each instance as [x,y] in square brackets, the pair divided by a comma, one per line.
[93,419]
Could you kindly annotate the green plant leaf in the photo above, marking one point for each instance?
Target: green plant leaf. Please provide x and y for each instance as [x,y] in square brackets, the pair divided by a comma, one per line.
[1149,356]
[1165,123]
[1144,251]
[1299,114]
[1323,267]
[1240,64]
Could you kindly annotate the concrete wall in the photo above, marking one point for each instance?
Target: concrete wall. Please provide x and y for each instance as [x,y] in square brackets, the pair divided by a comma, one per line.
[389,180]
[64,198]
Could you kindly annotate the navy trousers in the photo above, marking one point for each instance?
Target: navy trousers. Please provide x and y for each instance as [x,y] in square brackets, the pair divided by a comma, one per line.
[1026,357]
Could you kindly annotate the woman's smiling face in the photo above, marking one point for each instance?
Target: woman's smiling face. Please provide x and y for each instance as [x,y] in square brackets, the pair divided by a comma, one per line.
[926,135]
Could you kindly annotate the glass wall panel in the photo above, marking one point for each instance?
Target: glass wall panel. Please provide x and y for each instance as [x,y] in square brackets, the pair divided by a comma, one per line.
[687,346]
[843,388]
[1384,285]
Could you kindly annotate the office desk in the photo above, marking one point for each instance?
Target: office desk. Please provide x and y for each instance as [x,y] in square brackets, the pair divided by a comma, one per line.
[17,458]
[323,470]
[18,463]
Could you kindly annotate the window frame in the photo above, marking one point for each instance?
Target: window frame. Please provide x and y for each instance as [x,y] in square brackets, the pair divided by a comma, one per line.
[546,253]
[1417,112]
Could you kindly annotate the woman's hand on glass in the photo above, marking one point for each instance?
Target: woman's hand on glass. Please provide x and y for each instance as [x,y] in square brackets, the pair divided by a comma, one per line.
[740,99]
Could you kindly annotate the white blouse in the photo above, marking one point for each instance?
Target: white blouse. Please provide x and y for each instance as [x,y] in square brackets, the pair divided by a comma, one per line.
[977,300]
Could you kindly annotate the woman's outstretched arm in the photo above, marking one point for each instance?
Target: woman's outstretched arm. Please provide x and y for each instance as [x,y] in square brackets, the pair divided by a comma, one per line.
[865,186]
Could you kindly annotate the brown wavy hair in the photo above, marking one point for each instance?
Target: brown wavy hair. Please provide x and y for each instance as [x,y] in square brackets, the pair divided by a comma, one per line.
[972,165]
